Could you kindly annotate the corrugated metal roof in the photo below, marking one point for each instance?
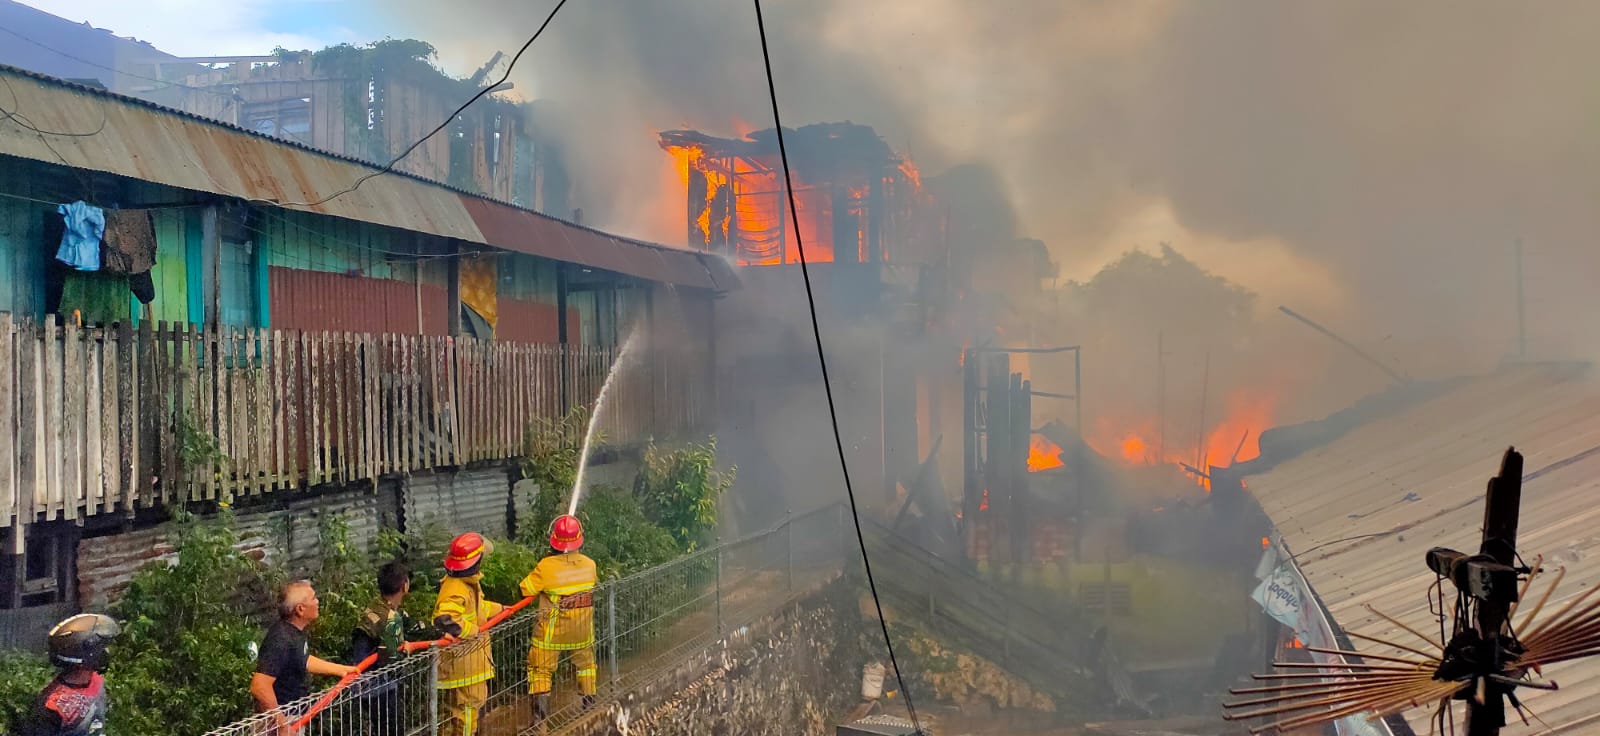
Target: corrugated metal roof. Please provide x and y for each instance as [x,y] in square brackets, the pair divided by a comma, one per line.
[529,232]
[142,140]
[1361,512]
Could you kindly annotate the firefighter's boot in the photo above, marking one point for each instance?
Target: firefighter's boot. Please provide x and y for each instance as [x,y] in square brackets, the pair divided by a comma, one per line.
[588,702]
[541,708]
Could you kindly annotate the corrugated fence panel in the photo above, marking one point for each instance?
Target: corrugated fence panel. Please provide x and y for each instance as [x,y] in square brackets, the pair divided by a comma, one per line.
[471,500]
[27,628]
[107,564]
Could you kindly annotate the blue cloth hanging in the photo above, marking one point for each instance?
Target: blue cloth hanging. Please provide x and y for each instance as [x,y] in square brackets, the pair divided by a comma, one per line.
[80,244]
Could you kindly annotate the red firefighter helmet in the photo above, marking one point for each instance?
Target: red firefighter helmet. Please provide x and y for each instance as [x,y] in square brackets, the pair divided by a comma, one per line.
[566,533]
[467,550]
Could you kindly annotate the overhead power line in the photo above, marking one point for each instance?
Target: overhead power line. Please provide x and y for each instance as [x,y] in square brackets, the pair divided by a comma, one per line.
[389,167]
[822,360]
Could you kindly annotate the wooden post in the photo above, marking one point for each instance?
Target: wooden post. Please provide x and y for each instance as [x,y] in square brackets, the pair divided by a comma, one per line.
[211,244]
[452,299]
[1500,518]
[561,333]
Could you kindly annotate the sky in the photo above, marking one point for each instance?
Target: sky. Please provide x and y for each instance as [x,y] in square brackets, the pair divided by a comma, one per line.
[241,28]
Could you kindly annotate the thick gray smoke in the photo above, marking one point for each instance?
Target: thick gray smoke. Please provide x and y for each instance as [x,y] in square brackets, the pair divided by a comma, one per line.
[1366,162]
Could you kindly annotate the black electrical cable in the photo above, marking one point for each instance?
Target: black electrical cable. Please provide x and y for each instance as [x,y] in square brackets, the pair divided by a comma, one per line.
[424,139]
[822,360]
[15,115]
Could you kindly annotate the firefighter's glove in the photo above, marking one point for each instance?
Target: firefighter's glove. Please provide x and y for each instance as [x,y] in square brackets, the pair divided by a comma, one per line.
[448,626]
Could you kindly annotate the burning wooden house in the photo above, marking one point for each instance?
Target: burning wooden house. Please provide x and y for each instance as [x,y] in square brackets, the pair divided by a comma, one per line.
[858,202]
[874,242]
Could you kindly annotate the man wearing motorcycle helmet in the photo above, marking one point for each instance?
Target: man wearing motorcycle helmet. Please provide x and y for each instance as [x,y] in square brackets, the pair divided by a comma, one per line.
[74,704]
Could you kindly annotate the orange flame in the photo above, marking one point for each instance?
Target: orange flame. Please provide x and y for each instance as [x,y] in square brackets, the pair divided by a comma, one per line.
[1134,449]
[759,222]
[1043,455]
[1232,439]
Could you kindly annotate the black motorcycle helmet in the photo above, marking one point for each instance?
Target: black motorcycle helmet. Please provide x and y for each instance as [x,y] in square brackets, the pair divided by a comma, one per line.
[81,640]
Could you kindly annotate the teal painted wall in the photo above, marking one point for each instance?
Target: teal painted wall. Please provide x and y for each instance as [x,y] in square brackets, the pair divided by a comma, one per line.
[183,270]
[313,243]
[171,273]
[527,278]
[22,255]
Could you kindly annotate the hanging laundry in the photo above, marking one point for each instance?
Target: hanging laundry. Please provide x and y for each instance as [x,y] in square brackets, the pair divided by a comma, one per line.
[80,245]
[130,242]
[142,286]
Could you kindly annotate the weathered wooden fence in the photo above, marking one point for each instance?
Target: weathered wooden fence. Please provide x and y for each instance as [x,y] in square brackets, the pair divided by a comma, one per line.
[111,419]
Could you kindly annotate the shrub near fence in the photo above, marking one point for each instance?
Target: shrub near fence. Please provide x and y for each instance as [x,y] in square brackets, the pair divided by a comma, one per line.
[642,623]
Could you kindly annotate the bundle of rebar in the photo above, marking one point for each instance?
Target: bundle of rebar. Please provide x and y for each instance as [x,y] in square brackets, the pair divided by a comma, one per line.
[1379,687]
[1572,633]
[1399,683]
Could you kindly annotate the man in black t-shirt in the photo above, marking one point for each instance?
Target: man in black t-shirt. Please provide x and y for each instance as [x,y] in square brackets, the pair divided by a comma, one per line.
[285,658]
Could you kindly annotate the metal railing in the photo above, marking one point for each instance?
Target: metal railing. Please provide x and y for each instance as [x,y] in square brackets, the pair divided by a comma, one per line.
[643,624]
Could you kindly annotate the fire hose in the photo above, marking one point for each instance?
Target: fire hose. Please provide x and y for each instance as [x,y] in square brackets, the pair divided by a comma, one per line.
[407,647]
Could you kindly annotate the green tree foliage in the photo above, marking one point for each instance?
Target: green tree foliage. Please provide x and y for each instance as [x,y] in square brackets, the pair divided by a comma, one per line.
[551,449]
[345,581]
[618,536]
[190,626]
[504,570]
[678,489]
[22,676]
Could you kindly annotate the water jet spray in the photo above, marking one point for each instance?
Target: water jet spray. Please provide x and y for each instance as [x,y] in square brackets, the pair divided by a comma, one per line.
[594,417]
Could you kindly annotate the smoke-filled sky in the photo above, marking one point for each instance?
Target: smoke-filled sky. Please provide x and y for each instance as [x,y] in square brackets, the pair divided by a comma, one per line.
[1369,163]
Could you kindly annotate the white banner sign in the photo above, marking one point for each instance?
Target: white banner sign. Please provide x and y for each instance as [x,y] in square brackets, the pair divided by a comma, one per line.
[1279,595]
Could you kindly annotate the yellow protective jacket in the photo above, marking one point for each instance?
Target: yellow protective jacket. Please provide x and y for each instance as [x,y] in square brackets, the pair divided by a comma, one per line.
[469,662]
[564,584]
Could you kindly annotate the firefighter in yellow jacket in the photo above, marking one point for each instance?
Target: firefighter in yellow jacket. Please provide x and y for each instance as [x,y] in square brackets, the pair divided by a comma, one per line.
[465,668]
[564,584]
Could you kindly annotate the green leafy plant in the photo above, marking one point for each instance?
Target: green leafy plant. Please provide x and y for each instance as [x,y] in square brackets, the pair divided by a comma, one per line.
[198,450]
[504,570]
[22,676]
[345,581]
[679,488]
[618,536]
[182,664]
[422,551]
[551,449]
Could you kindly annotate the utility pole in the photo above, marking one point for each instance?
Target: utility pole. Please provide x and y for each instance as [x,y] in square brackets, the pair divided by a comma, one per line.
[1486,705]
[1161,399]
[1205,385]
[1522,326]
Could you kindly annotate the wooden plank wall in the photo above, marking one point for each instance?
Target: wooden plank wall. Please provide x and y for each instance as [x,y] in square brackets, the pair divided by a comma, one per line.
[109,420]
